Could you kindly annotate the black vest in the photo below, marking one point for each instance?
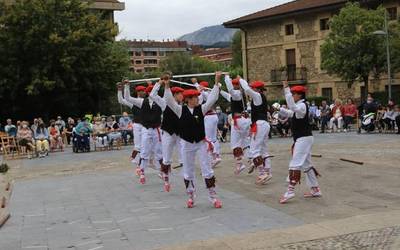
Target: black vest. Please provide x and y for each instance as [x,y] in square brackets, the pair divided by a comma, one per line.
[301,127]
[151,116]
[136,115]
[238,106]
[192,125]
[259,112]
[170,122]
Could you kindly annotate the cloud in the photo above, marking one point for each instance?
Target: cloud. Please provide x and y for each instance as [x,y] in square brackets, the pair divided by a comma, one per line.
[163,19]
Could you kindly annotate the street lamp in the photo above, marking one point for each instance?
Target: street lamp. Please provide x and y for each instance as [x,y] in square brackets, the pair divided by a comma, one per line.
[386,34]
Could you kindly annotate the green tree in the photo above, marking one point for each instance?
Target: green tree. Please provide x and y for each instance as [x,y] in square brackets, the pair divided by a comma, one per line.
[351,51]
[184,63]
[57,57]
[237,60]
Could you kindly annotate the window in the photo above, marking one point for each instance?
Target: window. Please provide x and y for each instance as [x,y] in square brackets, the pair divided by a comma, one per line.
[327,93]
[289,29]
[139,71]
[392,13]
[138,62]
[150,53]
[161,53]
[324,24]
[150,61]
[138,53]
[291,64]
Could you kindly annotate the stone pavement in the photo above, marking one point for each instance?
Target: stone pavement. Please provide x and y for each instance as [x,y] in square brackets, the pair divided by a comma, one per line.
[110,210]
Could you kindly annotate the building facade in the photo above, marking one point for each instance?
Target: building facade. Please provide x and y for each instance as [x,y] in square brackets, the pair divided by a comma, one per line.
[146,55]
[218,55]
[284,41]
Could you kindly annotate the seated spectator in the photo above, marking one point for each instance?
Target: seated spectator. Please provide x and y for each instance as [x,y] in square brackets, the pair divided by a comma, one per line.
[35,124]
[100,133]
[60,123]
[41,136]
[350,112]
[389,118]
[69,129]
[113,130]
[124,123]
[55,136]
[10,128]
[337,116]
[325,115]
[397,110]
[82,132]
[380,113]
[25,139]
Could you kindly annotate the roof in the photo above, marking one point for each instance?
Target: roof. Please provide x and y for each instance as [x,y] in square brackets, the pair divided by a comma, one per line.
[157,44]
[283,9]
[215,52]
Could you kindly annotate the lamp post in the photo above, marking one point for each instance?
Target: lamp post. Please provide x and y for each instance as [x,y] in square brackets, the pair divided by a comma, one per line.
[386,34]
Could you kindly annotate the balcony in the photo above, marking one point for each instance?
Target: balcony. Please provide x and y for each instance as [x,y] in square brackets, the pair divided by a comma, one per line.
[293,74]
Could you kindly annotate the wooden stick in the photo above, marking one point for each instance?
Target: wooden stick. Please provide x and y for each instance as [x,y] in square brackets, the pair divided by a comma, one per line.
[316,156]
[355,162]
[8,186]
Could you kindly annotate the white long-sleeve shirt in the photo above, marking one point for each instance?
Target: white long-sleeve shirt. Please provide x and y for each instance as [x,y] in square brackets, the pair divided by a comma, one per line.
[236,94]
[299,108]
[122,100]
[137,101]
[156,98]
[177,109]
[226,95]
[257,99]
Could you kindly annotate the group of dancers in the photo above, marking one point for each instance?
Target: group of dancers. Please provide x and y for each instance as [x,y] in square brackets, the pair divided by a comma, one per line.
[185,120]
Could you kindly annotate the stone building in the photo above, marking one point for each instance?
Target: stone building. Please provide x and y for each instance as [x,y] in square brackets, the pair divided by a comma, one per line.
[146,55]
[286,40]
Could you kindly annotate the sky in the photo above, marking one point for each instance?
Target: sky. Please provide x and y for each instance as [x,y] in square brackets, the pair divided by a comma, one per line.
[170,19]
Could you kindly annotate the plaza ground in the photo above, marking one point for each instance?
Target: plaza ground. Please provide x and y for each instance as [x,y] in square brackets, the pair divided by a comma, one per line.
[94,201]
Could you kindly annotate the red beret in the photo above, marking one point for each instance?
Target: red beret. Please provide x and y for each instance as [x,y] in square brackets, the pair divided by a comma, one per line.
[149,89]
[235,82]
[190,93]
[257,85]
[298,89]
[204,84]
[175,90]
[140,88]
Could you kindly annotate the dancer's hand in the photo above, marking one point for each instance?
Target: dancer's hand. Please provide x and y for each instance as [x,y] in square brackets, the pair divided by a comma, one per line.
[285,84]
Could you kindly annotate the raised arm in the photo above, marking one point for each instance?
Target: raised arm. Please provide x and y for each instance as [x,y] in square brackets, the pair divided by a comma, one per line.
[134,100]
[236,94]
[121,99]
[300,109]
[156,98]
[211,100]
[226,95]
[170,101]
[257,100]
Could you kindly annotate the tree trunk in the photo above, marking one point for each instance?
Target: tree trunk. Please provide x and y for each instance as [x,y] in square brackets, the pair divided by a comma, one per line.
[366,88]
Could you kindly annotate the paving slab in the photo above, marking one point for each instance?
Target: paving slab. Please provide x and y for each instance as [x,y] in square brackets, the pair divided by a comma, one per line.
[111,210]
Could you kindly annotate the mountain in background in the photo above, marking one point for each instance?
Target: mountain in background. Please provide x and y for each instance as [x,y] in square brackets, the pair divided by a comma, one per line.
[210,36]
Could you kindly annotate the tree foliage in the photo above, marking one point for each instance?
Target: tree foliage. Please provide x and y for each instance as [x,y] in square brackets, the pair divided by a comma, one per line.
[237,60]
[351,50]
[184,63]
[57,57]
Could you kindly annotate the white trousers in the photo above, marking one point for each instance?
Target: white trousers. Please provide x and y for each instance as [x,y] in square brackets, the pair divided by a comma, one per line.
[211,127]
[190,151]
[339,122]
[258,142]
[137,136]
[151,145]
[240,134]
[169,142]
[301,159]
